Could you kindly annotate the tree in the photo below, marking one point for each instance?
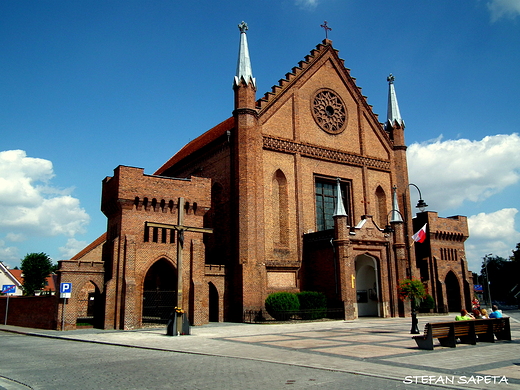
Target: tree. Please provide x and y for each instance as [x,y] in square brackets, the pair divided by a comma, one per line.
[502,275]
[516,254]
[36,267]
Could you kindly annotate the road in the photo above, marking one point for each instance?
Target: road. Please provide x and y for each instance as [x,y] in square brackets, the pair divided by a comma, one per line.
[45,363]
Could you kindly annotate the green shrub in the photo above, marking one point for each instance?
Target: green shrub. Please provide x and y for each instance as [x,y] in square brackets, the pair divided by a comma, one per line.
[279,305]
[427,304]
[312,304]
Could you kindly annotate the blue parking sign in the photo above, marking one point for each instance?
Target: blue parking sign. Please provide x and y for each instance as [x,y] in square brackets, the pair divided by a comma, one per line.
[65,290]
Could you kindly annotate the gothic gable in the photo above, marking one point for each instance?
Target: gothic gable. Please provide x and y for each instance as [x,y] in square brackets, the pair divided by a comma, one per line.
[318,103]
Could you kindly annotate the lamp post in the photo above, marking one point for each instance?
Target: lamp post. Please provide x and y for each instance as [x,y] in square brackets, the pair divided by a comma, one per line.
[487,279]
[421,205]
[397,217]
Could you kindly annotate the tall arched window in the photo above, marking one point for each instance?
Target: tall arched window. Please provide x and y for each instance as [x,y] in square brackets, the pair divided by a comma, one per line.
[381,215]
[280,205]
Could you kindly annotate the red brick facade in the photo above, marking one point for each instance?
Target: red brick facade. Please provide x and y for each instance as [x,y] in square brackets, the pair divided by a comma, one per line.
[255,180]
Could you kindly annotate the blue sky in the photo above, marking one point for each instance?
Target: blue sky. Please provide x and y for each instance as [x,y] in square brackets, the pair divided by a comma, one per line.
[88,85]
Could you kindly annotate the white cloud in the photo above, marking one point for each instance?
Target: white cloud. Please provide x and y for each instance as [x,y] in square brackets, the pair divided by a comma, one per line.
[71,248]
[9,255]
[309,4]
[503,8]
[491,233]
[491,226]
[16,237]
[29,205]
[455,171]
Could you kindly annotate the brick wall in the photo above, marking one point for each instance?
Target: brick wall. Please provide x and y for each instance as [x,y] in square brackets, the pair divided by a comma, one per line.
[32,312]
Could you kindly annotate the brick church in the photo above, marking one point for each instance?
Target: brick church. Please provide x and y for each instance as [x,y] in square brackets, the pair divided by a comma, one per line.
[301,190]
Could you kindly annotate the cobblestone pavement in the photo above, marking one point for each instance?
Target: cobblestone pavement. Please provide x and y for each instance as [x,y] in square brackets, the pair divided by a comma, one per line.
[372,348]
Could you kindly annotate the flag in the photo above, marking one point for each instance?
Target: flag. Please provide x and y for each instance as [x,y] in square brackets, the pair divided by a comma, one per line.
[420,236]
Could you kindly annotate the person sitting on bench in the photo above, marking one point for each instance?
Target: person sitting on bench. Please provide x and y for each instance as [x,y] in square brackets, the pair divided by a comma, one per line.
[464,316]
[495,313]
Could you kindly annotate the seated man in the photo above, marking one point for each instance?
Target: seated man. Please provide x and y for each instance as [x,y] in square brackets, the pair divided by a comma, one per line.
[495,313]
[464,315]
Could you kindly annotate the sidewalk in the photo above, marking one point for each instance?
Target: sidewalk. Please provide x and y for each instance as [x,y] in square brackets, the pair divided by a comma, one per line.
[375,347]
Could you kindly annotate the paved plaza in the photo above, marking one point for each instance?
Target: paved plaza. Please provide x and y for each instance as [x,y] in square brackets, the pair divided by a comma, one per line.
[373,347]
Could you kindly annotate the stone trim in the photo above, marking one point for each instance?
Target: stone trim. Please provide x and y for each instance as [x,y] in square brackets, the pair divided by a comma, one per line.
[292,147]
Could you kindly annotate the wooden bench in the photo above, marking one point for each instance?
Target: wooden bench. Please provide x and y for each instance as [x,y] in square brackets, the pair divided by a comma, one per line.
[468,332]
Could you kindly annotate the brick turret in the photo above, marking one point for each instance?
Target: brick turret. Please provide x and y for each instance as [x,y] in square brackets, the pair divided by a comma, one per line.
[247,185]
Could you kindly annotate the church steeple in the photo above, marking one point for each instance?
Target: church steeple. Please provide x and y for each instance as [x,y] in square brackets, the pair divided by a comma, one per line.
[244,70]
[393,115]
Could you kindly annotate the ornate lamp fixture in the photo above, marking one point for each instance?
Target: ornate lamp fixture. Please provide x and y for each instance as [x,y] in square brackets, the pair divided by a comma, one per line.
[421,204]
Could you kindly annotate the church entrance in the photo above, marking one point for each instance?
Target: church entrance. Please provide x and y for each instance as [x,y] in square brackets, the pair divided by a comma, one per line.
[452,292]
[367,286]
[159,292]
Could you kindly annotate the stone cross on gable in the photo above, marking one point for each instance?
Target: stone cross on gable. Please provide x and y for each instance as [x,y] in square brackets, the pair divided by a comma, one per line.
[326,28]
[181,228]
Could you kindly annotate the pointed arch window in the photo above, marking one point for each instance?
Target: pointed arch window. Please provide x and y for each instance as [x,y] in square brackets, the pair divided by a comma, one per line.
[280,203]
[381,206]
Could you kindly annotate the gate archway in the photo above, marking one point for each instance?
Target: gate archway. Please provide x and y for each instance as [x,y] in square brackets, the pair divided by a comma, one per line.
[452,292]
[213,303]
[159,292]
[367,288]
[88,306]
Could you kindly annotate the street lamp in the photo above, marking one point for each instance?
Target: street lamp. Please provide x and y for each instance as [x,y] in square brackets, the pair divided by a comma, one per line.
[421,204]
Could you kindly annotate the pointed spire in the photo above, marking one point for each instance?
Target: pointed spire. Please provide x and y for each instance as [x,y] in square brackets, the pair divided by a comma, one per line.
[340,208]
[244,70]
[393,114]
[396,214]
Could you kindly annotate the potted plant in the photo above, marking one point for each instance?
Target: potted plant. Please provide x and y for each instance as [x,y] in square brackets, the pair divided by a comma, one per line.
[412,290]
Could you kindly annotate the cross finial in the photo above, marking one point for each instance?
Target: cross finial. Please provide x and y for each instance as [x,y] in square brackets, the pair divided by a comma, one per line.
[326,28]
[390,78]
[243,27]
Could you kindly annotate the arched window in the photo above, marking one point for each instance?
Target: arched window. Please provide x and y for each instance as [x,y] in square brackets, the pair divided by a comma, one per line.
[280,205]
[381,215]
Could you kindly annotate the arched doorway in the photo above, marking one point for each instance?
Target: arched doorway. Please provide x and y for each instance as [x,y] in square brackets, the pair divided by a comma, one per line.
[367,286]
[159,292]
[88,304]
[452,292]
[213,303]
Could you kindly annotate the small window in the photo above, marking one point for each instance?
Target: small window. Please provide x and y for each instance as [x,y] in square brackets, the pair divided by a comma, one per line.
[163,235]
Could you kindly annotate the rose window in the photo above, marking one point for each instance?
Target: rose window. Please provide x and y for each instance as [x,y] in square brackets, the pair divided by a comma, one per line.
[329,111]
